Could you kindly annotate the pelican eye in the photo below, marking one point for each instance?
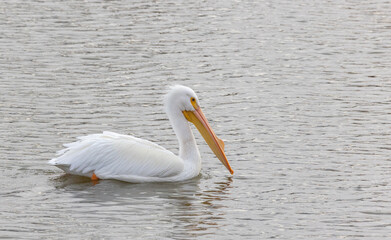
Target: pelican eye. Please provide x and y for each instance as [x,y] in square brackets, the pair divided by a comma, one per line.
[194,102]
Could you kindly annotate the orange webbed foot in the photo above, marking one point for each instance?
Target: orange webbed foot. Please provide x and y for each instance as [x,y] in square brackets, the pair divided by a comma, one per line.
[94,177]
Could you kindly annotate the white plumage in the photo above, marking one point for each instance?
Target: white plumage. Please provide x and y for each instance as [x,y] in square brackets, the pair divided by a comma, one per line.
[115,156]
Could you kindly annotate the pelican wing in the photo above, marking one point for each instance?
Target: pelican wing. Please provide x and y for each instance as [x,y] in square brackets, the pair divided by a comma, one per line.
[111,154]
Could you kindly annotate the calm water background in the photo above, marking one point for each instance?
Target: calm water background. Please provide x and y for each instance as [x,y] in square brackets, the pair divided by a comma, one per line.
[299,90]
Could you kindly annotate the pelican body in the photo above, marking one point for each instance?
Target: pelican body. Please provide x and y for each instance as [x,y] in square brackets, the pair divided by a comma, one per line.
[116,156]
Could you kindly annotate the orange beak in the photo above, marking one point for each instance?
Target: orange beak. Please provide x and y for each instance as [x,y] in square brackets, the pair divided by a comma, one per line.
[199,120]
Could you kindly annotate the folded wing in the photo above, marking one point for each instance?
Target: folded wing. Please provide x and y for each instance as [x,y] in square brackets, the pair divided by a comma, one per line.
[110,154]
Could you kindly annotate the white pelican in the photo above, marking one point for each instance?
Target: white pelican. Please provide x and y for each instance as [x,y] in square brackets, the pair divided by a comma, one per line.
[115,156]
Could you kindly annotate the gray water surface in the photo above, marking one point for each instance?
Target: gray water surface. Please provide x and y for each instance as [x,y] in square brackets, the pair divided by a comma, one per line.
[300,91]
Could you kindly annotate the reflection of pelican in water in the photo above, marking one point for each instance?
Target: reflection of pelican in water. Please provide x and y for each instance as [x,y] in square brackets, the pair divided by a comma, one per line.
[187,209]
[187,190]
[200,215]
[116,156]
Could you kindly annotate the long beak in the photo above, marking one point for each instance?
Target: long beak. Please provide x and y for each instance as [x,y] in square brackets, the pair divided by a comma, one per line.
[198,118]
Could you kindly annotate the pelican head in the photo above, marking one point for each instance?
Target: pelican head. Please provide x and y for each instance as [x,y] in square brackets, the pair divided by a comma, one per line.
[182,102]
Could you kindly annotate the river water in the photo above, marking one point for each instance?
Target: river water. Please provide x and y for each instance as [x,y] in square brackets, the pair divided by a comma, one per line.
[299,90]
